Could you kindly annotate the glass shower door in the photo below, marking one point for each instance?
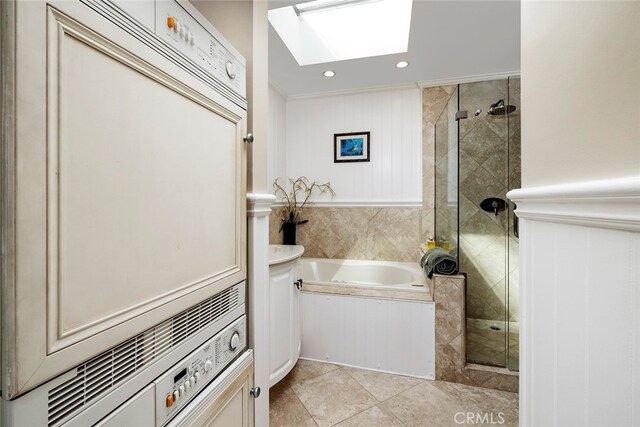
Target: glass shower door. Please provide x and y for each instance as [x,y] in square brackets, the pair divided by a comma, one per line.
[477,161]
[484,219]
[514,181]
[446,169]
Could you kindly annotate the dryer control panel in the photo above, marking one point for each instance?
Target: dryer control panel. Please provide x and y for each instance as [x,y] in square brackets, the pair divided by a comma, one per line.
[176,26]
[184,381]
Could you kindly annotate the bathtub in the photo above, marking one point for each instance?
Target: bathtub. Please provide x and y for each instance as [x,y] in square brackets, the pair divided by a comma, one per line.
[383,279]
[376,315]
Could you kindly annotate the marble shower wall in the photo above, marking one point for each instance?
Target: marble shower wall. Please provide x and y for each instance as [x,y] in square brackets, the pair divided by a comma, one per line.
[376,233]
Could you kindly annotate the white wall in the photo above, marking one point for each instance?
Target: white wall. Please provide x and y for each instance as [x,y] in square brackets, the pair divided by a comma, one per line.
[580,91]
[394,118]
[277,134]
[580,304]
[580,242]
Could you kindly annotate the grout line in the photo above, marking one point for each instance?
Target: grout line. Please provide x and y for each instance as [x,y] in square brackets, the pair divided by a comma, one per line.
[302,403]
[363,387]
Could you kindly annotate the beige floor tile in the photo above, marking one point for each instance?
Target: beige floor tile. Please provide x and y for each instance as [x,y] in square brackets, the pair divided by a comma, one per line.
[424,405]
[382,386]
[511,417]
[372,417]
[323,394]
[307,369]
[333,397]
[479,398]
[285,409]
[439,403]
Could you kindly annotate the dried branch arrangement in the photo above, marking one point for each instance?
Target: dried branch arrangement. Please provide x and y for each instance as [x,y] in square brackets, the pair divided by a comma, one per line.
[300,189]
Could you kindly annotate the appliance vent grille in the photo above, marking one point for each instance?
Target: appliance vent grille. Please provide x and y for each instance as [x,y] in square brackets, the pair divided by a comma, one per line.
[107,370]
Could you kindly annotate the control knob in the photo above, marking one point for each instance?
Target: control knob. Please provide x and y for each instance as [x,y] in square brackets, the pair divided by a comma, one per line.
[207,365]
[235,341]
[231,70]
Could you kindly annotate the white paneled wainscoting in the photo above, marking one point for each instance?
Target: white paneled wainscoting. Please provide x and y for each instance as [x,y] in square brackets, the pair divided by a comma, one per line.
[580,303]
[385,335]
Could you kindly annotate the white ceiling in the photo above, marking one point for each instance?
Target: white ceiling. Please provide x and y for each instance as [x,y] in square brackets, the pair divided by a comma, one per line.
[448,40]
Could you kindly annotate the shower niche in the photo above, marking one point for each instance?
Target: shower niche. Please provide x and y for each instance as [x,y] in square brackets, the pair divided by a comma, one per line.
[477,161]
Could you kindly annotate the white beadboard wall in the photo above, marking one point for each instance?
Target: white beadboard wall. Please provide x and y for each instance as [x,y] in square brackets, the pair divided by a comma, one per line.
[394,118]
[277,135]
[378,334]
[580,304]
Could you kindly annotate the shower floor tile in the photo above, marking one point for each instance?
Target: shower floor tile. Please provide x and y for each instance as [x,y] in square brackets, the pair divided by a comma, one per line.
[487,346]
[323,394]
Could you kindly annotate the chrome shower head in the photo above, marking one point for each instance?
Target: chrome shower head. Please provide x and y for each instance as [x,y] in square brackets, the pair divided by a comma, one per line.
[499,109]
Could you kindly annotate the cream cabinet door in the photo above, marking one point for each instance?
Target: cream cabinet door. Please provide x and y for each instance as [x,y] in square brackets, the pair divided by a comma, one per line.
[123,195]
[284,324]
[226,402]
[235,408]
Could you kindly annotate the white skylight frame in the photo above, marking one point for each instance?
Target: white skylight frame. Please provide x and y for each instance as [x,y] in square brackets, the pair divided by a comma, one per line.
[328,30]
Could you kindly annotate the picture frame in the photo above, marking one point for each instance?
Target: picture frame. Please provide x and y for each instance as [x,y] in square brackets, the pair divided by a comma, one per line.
[351,147]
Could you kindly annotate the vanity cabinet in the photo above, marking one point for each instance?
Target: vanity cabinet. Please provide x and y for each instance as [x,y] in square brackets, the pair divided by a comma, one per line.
[284,316]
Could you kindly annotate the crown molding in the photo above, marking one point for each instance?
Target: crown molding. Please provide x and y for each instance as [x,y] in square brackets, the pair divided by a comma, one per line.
[352,91]
[467,79]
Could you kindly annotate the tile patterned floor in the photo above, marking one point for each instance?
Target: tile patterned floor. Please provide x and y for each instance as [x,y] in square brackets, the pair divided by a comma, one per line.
[323,394]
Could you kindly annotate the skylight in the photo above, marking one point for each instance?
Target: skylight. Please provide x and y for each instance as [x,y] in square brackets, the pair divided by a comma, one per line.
[334,30]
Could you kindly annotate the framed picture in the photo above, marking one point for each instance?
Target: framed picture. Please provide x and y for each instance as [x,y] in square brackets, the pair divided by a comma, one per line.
[351,147]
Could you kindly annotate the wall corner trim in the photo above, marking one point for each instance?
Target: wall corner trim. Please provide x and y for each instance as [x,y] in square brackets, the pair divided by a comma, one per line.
[609,203]
[259,204]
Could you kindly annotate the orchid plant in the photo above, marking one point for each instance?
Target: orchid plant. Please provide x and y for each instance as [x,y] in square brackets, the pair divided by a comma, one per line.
[300,189]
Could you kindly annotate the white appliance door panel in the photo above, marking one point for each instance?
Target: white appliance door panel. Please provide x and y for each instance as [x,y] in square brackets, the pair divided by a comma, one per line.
[128,203]
[139,411]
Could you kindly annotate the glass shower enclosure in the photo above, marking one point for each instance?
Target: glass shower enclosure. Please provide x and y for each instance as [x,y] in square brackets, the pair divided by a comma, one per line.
[477,161]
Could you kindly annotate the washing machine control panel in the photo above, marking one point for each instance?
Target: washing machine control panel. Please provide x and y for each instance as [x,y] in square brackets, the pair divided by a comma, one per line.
[181,383]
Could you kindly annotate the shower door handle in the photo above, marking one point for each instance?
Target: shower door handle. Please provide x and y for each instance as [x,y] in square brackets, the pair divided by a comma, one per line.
[516,223]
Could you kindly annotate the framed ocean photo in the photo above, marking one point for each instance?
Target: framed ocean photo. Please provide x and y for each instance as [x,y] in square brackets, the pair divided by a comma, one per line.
[351,147]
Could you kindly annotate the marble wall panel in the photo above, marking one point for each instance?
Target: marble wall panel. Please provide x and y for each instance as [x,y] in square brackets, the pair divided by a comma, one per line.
[381,233]
[451,361]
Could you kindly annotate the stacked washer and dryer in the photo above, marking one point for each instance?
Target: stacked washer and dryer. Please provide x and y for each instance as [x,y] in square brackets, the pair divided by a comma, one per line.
[123,217]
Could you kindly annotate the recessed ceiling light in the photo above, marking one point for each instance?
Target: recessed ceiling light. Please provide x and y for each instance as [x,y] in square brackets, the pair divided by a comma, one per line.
[402,64]
[328,73]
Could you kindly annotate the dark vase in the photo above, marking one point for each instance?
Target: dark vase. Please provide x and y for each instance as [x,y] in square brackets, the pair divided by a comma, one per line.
[289,233]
